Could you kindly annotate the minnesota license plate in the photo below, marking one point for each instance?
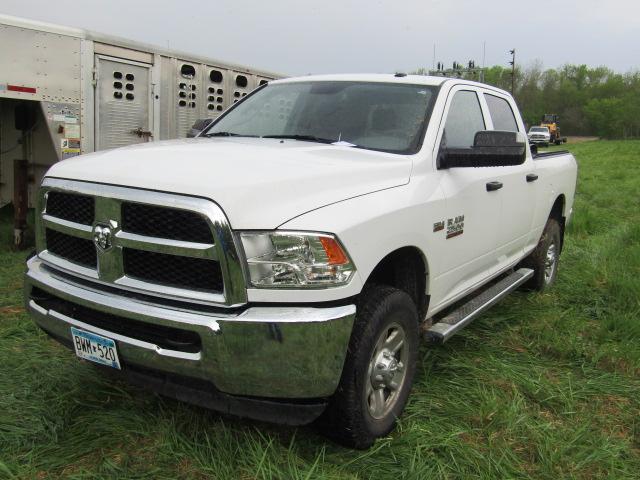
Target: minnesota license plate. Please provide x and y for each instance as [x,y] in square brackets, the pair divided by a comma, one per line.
[95,348]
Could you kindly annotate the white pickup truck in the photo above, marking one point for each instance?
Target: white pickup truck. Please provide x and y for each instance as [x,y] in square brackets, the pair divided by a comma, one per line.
[283,265]
[539,136]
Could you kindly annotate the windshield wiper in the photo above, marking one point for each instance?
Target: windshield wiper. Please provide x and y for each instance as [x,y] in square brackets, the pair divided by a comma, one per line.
[226,134]
[304,138]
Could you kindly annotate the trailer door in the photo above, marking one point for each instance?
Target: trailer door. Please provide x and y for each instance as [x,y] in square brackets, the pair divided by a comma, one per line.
[123,103]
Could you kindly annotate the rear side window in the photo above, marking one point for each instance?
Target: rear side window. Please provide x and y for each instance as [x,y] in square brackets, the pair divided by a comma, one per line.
[501,114]
[463,120]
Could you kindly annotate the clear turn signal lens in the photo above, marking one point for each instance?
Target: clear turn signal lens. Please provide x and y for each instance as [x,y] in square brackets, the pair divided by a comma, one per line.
[295,259]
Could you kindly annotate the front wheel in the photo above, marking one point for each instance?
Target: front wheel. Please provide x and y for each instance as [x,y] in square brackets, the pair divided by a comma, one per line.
[379,369]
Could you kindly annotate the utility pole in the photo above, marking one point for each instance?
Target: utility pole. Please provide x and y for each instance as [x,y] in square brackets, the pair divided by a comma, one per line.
[513,70]
[433,66]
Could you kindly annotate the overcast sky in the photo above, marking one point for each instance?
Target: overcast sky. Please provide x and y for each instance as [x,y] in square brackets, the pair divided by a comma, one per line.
[299,37]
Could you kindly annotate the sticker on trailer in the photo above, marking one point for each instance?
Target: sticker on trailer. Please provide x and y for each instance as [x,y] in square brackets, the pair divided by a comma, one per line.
[69,143]
[58,117]
[72,130]
[70,152]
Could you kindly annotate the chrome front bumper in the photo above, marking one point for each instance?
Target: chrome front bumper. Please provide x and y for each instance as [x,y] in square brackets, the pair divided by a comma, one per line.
[274,352]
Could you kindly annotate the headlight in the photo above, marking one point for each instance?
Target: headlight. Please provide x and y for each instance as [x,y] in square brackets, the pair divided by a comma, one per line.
[295,259]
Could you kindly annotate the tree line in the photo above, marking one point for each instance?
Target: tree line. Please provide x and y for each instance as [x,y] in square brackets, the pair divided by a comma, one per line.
[590,101]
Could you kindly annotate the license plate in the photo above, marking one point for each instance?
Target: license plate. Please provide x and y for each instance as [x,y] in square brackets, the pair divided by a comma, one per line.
[95,348]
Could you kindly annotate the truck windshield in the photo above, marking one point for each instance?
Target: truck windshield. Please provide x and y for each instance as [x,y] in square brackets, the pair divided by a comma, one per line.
[371,115]
[539,129]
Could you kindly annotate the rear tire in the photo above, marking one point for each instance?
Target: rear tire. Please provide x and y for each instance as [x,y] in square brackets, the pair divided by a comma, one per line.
[378,371]
[544,259]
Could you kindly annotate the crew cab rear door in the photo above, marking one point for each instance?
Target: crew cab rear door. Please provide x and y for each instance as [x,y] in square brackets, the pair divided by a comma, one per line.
[519,184]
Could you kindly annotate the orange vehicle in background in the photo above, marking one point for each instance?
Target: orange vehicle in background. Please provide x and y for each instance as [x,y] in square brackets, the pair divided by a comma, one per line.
[551,121]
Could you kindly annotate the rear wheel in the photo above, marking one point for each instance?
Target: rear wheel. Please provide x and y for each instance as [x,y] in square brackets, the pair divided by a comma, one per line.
[379,369]
[544,259]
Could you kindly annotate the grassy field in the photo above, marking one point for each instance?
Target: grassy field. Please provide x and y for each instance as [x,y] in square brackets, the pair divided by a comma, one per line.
[543,386]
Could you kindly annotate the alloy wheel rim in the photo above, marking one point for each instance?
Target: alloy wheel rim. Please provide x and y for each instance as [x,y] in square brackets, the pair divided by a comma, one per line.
[550,263]
[387,371]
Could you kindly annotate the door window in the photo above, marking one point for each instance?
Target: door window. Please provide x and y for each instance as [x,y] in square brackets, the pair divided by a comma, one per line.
[501,113]
[463,120]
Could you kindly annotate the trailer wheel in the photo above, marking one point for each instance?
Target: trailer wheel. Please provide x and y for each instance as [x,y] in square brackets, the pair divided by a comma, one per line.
[379,369]
[544,258]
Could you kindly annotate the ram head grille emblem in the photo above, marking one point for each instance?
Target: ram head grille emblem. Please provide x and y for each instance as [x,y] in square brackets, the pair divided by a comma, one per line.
[102,237]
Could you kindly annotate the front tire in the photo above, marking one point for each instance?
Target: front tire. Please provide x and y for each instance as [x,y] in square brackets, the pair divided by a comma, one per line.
[379,369]
[544,259]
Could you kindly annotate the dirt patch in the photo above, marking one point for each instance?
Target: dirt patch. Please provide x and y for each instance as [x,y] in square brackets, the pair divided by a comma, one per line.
[11,310]
[581,139]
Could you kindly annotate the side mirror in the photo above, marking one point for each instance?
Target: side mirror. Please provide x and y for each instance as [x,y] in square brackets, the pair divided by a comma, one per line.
[198,127]
[491,148]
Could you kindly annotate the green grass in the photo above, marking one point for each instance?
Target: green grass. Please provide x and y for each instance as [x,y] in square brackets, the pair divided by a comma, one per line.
[543,386]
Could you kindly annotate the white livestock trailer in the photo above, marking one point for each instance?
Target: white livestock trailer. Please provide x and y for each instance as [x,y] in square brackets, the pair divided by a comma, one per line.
[66,91]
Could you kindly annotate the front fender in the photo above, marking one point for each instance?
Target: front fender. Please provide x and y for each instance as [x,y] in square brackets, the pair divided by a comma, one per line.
[374,225]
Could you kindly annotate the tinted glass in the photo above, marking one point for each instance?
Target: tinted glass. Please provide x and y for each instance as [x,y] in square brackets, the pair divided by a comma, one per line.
[371,115]
[463,120]
[501,114]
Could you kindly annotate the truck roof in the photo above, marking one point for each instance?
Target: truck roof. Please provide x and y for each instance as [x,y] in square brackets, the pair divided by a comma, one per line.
[366,77]
[386,78]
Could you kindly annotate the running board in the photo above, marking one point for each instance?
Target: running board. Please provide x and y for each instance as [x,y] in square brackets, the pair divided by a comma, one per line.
[455,321]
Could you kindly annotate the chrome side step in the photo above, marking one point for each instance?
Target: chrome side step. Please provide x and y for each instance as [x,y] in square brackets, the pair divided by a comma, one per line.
[455,321]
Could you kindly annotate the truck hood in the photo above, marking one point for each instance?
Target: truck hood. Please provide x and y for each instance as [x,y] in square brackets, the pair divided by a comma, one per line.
[259,183]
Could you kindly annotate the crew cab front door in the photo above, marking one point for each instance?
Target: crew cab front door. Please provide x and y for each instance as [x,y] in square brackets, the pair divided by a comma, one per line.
[467,237]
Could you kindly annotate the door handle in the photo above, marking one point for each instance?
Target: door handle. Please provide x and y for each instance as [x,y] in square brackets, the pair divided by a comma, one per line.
[491,186]
[532,177]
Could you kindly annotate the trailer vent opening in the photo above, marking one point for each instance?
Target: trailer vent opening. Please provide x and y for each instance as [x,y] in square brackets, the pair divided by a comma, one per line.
[219,108]
[182,103]
[129,86]
[117,95]
[117,75]
[117,85]
[241,81]
[130,77]
[129,96]
[220,91]
[187,71]
[215,76]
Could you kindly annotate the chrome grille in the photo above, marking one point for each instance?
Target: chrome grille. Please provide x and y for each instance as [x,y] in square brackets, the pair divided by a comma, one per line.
[74,249]
[165,222]
[162,244]
[173,270]
[72,207]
